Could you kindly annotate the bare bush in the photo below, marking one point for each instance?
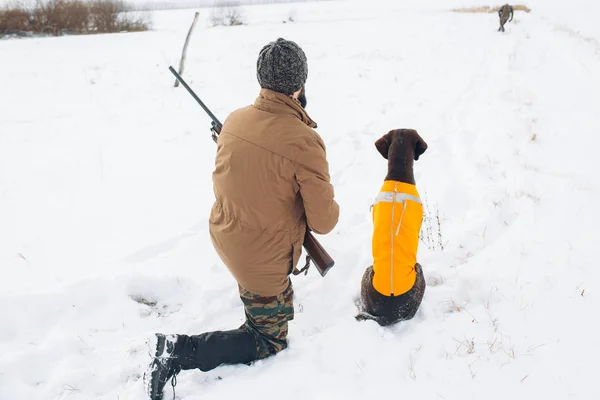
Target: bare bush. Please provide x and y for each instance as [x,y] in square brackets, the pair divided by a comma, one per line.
[226,13]
[112,16]
[13,21]
[133,24]
[58,17]
[105,15]
[431,228]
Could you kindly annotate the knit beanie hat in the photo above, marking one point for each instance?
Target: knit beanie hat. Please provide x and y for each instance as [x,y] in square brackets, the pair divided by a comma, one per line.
[282,67]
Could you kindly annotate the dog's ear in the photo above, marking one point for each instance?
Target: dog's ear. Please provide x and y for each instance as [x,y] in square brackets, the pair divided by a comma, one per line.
[383,145]
[420,146]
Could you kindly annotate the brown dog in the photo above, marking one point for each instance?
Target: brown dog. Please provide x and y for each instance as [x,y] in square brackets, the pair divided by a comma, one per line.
[393,287]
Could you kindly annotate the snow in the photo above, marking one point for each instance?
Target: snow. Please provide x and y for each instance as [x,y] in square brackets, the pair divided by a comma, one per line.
[105,192]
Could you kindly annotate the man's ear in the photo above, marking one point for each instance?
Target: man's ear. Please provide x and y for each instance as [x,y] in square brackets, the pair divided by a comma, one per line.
[383,145]
[420,147]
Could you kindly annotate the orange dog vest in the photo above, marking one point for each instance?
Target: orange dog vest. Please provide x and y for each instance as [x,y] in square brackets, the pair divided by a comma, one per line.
[397,218]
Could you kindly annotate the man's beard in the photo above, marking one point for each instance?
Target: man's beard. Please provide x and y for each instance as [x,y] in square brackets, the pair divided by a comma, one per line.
[302,98]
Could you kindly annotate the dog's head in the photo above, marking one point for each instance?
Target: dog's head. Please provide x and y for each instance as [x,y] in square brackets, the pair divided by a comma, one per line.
[400,147]
[401,142]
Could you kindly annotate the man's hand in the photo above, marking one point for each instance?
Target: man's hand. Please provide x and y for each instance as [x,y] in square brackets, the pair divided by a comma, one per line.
[216,130]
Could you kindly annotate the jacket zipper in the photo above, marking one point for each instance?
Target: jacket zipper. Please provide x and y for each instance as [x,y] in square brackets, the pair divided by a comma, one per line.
[392,239]
[401,216]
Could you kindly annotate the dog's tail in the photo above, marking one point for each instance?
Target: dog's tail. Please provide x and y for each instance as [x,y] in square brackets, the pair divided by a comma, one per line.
[365,316]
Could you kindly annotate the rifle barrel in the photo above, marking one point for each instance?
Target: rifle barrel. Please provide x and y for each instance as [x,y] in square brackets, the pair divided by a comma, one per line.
[189,89]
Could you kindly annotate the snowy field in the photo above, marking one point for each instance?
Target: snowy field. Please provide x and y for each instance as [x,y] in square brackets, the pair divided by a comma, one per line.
[105,193]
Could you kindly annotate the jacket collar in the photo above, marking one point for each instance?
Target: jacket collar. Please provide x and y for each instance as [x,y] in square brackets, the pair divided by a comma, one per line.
[279,103]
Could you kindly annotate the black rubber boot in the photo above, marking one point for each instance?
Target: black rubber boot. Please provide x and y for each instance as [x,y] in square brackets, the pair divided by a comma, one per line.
[211,349]
[205,352]
[164,366]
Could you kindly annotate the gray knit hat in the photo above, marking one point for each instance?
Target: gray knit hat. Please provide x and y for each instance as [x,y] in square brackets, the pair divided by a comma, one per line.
[282,67]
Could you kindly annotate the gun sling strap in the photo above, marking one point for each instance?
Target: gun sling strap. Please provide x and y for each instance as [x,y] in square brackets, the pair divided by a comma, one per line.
[304,269]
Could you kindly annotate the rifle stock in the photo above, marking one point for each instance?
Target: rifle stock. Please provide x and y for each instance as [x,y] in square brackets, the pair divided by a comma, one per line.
[322,260]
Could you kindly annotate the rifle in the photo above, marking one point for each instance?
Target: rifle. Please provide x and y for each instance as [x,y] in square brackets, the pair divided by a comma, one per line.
[319,256]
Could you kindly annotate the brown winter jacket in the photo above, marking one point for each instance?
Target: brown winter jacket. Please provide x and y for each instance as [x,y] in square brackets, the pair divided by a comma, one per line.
[271,178]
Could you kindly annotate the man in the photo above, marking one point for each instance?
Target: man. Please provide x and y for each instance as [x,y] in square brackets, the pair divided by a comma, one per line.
[504,13]
[271,183]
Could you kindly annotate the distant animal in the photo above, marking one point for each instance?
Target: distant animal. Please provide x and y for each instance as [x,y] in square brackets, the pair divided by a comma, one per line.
[393,287]
[503,14]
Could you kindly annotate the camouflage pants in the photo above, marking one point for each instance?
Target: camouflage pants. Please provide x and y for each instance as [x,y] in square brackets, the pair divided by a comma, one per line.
[267,319]
[263,334]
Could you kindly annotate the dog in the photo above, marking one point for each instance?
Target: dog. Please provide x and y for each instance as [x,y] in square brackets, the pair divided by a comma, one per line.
[503,14]
[392,288]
